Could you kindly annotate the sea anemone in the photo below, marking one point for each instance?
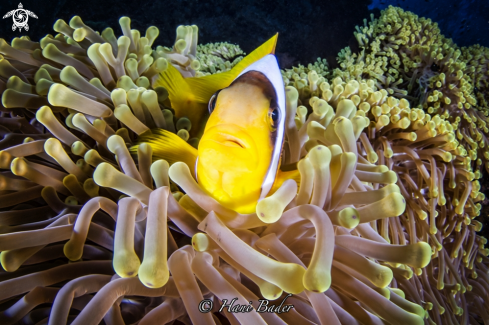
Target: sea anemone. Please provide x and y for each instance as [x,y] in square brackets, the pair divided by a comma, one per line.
[410,58]
[218,57]
[437,182]
[306,79]
[88,233]
[477,60]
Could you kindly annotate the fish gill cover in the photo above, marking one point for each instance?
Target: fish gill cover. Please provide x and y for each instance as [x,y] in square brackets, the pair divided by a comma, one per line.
[382,226]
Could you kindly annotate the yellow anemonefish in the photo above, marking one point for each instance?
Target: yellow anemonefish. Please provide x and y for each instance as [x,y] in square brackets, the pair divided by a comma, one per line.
[238,158]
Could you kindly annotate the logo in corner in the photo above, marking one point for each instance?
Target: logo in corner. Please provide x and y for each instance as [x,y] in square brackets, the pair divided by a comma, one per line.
[20,17]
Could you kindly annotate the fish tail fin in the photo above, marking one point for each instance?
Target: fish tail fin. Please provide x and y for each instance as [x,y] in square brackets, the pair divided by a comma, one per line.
[168,146]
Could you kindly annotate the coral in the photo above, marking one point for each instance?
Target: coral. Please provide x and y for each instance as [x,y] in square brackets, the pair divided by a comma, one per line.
[380,229]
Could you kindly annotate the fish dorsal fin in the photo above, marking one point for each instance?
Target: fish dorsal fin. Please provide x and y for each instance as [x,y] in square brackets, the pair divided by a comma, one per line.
[189,96]
[184,100]
[200,89]
[168,146]
[205,87]
[177,86]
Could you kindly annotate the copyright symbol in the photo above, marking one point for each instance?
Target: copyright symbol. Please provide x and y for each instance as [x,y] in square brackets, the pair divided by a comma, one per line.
[205,306]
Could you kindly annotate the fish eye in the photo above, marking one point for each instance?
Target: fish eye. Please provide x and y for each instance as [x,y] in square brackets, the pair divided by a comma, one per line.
[212,102]
[273,117]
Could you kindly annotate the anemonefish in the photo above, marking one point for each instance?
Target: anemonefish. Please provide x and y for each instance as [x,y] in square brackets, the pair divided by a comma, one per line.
[238,157]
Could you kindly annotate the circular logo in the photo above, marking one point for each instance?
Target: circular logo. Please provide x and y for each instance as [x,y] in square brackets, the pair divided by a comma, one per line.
[20,17]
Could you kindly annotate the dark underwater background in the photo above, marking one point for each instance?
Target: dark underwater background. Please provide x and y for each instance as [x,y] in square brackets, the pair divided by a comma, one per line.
[307,29]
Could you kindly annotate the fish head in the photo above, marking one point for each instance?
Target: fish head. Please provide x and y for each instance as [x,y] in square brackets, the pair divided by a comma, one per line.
[239,151]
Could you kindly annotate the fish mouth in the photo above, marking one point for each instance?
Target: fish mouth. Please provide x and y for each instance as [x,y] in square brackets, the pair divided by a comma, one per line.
[231,140]
[229,135]
[228,148]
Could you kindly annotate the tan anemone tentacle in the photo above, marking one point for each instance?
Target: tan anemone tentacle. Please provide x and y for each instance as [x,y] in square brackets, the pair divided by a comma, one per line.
[153,271]
[180,267]
[73,249]
[268,269]
[126,262]
[206,272]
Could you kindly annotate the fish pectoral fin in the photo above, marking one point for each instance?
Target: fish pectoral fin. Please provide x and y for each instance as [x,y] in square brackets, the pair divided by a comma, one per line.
[282,176]
[168,146]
